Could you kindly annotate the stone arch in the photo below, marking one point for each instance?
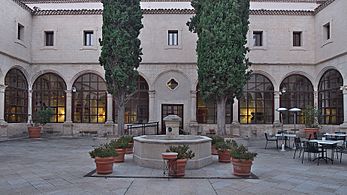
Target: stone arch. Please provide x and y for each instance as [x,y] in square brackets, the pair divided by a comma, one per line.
[268,76]
[76,76]
[309,77]
[145,78]
[168,71]
[24,71]
[323,71]
[2,78]
[42,72]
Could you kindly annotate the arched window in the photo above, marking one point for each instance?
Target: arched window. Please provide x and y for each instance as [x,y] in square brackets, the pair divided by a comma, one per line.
[16,97]
[89,99]
[256,106]
[206,112]
[330,99]
[298,94]
[49,91]
[136,109]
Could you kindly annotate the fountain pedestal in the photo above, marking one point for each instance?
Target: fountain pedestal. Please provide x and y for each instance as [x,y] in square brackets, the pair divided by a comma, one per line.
[172,123]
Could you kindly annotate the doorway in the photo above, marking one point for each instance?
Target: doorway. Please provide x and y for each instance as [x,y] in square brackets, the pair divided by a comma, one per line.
[167,109]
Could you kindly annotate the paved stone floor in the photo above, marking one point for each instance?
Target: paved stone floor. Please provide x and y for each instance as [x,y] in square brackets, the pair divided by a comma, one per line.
[58,166]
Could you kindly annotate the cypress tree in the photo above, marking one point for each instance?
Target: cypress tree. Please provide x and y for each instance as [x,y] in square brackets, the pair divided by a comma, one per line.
[121,52]
[221,26]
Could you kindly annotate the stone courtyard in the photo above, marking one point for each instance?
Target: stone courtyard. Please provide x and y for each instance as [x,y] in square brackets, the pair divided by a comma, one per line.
[59,166]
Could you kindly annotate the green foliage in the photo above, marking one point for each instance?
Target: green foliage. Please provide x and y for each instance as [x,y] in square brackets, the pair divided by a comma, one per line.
[221,27]
[183,151]
[121,52]
[128,138]
[225,145]
[121,142]
[241,152]
[216,139]
[43,116]
[311,115]
[106,150]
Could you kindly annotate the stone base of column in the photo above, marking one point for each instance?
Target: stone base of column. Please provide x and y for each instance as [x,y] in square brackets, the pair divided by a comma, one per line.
[109,128]
[276,124]
[343,126]
[194,128]
[3,129]
[68,128]
[235,129]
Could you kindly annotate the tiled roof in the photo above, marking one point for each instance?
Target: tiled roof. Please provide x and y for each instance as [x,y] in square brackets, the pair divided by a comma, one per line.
[322,6]
[167,11]
[82,1]
[20,3]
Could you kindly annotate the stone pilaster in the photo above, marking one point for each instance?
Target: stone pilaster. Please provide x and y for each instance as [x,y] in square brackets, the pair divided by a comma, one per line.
[2,105]
[68,111]
[30,106]
[151,106]
[193,106]
[315,99]
[235,127]
[344,92]
[109,118]
[277,121]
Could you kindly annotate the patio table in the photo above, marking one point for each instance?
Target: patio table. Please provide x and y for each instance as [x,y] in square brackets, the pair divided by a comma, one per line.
[286,135]
[327,144]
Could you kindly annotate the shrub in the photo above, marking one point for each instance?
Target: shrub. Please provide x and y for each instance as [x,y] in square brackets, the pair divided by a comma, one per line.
[119,143]
[183,151]
[216,139]
[105,150]
[241,152]
[42,116]
[225,145]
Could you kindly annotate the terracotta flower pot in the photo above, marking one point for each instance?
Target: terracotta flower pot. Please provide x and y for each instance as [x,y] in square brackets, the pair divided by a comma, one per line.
[177,168]
[121,154]
[214,150]
[242,167]
[104,165]
[224,156]
[311,131]
[129,149]
[34,132]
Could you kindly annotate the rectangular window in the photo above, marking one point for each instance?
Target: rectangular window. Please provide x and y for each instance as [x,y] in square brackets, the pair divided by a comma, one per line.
[20,32]
[173,37]
[88,38]
[49,38]
[326,31]
[258,38]
[297,42]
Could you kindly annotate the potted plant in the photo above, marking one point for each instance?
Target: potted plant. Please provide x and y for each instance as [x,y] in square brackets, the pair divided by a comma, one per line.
[120,146]
[224,151]
[41,117]
[178,168]
[130,141]
[311,115]
[215,140]
[104,157]
[241,159]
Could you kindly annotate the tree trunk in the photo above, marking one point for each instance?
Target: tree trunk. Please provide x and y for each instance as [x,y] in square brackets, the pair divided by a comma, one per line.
[221,102]
[121,112]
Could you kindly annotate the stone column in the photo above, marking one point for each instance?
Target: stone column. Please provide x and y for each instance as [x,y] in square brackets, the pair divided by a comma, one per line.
[151,106]
[193,106]
[315,99]
[30,106]
[109,118]
[2,104]
[276,106]
[68,111]
[235,131]
[344,92]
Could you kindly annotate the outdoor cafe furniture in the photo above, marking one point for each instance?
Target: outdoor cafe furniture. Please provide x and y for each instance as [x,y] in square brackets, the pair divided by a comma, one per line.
[326,144]
[311,148]
[285,136]
[336,136]
[271,139]
[342,150]
[298,146]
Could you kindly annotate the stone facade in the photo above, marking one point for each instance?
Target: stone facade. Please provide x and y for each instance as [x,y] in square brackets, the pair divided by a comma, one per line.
[69,58]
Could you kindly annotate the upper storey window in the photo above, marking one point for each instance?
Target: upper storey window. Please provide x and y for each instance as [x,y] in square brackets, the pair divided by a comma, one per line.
[49,38]
[20,32]
[258,38]
[88,38]
[327,31]
[297,39]
[173,37]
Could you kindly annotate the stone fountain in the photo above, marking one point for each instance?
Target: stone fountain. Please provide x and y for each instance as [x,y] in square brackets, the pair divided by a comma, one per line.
[148,148]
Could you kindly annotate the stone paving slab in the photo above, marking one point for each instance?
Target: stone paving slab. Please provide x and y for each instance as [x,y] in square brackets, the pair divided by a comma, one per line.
[58,165]
[129,169]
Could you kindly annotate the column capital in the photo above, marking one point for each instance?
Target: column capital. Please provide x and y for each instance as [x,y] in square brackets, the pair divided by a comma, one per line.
[193,92]
[2,88]
[109,95]
[277,93]
[344,89]
[68,91]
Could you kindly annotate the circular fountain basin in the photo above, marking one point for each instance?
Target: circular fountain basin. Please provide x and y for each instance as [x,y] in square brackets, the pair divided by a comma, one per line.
[148,149]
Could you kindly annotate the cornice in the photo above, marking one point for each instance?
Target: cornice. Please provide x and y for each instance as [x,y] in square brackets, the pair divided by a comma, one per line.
[170,11]
[21,4]
[322,6]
